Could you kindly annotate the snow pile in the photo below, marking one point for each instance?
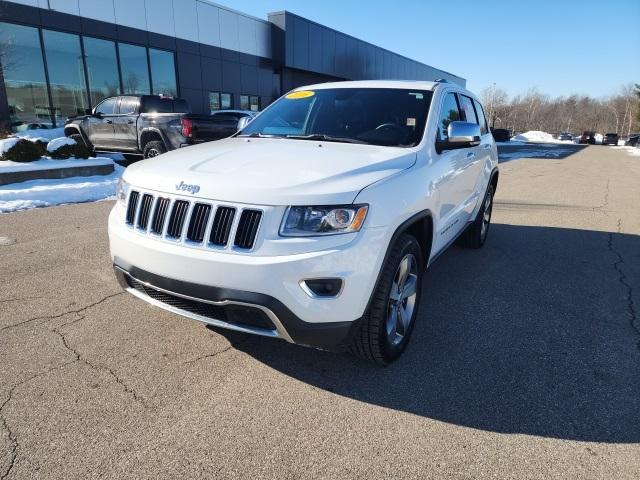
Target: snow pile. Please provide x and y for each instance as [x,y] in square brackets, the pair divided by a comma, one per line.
[43,134]
[635,151]
[47,164]
[536,136]
[56,143]
[44,193]
[6,144]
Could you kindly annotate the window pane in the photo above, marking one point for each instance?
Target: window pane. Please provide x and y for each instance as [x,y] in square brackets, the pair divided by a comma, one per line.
[128,105]
[24,79]
[254,103]
[163,72]
[214,101]
[467,107]
[66,74]
[226,101]
[448,114]
[102,68]
[133,64]
[481,117]
[107,107]
[244,102]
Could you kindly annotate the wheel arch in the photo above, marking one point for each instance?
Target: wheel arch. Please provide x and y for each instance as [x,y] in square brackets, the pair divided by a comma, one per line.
[419,225]
[72,129]
[151,135]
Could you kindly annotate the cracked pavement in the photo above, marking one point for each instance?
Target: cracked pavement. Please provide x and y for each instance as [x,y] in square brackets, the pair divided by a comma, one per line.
[525,361]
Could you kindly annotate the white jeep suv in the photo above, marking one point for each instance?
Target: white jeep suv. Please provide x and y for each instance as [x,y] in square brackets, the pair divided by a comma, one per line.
[316,222]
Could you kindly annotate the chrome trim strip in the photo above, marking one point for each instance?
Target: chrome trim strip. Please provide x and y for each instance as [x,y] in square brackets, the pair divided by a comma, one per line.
[279,332]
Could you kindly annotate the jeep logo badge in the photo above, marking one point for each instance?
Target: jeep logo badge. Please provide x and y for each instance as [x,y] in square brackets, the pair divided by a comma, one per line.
[193,189]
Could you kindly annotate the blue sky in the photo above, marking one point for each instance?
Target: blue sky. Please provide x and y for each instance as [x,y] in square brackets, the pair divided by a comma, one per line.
[561,47]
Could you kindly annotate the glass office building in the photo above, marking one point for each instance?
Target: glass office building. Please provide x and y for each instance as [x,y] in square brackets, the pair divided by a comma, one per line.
[60,58]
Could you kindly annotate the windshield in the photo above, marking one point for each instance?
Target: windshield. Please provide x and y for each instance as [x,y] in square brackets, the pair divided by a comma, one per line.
[375,116]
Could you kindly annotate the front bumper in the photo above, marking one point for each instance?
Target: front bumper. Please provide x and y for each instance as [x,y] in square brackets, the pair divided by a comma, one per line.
[268,282]
[182,298]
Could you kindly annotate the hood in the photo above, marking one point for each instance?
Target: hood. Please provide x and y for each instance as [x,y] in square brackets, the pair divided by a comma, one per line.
[270,171]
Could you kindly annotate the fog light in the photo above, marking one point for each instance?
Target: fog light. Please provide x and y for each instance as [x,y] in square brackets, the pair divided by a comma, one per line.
[322,287]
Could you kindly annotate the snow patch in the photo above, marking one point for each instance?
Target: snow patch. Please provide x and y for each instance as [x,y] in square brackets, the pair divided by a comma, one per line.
[7,144]
[635,151]
[536,136]
[41,133]
[56,143]
[44,193]
[48,164]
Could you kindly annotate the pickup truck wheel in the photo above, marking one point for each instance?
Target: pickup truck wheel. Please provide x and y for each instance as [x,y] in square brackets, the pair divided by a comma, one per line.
[477,232]
[385,329]
[153,149]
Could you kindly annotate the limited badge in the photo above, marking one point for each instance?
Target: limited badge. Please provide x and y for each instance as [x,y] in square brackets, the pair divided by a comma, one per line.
[300,94]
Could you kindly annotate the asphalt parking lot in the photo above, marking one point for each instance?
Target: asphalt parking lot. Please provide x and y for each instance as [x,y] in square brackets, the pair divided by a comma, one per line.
[525,361]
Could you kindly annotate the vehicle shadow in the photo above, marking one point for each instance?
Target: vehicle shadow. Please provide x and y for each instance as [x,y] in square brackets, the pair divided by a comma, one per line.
[555,151]
[531,334]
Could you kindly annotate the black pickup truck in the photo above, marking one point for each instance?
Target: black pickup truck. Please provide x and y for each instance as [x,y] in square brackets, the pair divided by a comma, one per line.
[146,124]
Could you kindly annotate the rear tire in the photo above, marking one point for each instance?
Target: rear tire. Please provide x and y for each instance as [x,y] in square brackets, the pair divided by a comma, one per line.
[476,233]
[153,149]
[385,329]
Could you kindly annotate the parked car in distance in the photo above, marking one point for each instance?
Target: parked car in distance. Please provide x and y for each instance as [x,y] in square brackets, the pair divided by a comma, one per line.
[565,136]
[143,124]
[610,139]
[501,134]
[588,137]
[313,223]
[633,140]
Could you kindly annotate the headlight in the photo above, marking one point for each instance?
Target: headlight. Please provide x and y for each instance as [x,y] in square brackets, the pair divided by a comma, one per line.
[326,220]
[121,192]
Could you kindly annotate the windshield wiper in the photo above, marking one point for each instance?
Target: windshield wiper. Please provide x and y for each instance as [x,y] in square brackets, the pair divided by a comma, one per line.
[259,135]
[325,138]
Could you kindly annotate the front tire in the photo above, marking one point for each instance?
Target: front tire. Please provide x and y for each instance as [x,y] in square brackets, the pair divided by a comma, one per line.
[385,329]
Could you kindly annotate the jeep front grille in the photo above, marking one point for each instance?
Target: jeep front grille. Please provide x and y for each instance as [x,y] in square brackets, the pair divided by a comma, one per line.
[196,223]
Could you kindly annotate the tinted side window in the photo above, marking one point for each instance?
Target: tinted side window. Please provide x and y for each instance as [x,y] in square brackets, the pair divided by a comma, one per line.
[158,105]
[181,106]
[107,107]
[128,105]
[449,113]
[481,117]
[466,104]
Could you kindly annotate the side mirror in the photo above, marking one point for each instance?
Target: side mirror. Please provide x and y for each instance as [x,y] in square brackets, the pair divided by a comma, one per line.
[243,122]
[462,135]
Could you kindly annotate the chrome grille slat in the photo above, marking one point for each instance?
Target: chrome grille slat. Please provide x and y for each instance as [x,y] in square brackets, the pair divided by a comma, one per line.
[132,207]
[145,211]
[199,224]
[222,224]
[177,218]
[159,216]
[247,228]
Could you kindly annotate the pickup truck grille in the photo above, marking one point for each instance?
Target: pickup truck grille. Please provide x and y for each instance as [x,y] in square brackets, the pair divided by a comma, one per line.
[195,223]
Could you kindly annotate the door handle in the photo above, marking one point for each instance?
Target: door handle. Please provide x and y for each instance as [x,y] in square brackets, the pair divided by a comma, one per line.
[130,122]
[486,146]
[109,122]
[471,155]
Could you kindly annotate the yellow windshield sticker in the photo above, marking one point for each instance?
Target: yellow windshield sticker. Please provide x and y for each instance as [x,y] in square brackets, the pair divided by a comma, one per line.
[300,94]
